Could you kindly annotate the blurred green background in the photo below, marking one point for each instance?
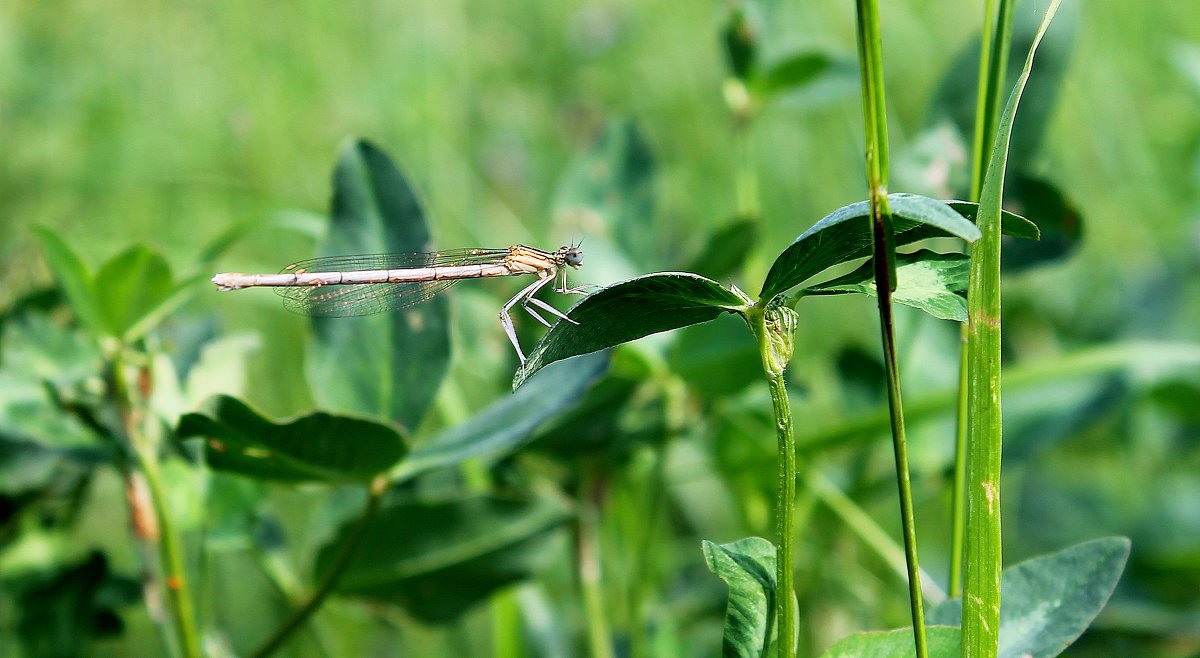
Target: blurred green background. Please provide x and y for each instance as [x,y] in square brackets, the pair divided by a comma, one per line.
[169,122]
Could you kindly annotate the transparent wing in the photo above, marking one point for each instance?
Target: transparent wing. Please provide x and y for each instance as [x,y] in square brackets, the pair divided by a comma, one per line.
[396,261]
[338,301]
[360,299]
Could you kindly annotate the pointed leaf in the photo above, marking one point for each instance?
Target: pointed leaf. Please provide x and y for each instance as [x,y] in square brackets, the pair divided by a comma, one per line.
[319,447]
[845,234]
[436,560]
[613,186]
[929,281]
[506,424]
[748,567]
[73,278]
[943,642]
[630,310]
[798,70]
[740,36]
[387,365]
[1049,601]
[1011,224]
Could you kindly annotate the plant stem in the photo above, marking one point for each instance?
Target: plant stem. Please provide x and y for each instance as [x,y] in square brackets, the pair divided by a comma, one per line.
[775,328]
[162,534]
[345,553]
[747,175]
[875,128]
[588,549]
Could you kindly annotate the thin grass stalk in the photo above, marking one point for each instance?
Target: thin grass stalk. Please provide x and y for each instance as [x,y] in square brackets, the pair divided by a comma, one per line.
[875,128]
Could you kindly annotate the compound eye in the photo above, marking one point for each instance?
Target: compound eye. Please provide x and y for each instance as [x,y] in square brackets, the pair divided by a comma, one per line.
[574,257]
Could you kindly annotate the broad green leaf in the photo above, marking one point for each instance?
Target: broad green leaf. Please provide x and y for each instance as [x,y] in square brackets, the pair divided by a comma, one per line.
[438,559]
[507,423]
[929,281]
[748,567]
[387,365]
[943,642]
[1049,601]
[129,287]
[612,185]
[73,278]
[319,447]
[726,249]
[1059,221]
[981,614]
[630,310]
[845,234]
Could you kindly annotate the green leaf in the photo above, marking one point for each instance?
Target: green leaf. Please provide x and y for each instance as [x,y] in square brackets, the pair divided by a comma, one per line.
[943,642]
[1049,601]
[60,612]
[726,249]
[739,36]
[505,424]
[630,310]
[613,186]
[845,234]
[438,559]
[983,365]
[387,365]
[1011,224]
[748,567]
[319,447]
[73,278]
[1059,220]
[798,70]
[928,281]
[129,288]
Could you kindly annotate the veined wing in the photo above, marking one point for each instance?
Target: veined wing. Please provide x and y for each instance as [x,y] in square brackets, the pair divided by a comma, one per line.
[370,298]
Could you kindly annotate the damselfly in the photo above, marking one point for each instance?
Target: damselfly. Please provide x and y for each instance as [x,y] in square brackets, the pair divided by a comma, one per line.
[344,286]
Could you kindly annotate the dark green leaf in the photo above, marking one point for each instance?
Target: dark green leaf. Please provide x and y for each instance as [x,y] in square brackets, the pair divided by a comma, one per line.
[748,567]
[943,642]
[630,310]
[319,447]
[1011,224]
[798,70]
[726,249]
[1049,601]
[73,278]
[507,423]
[438,559]
[613,186]
[740,36]
[387,365]
[1060,223]
[129,287]
[845,234]
[59,612]
[929,281]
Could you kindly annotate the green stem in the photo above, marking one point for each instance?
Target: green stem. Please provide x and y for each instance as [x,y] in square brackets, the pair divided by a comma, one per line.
[588,548]
[875,128]
[340,562]
[774,328]
[166,539]
[747,174]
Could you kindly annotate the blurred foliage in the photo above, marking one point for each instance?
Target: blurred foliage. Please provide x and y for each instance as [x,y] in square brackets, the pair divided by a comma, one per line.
[163,143]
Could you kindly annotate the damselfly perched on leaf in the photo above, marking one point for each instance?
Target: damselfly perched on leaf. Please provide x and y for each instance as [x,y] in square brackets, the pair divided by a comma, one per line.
[344,286]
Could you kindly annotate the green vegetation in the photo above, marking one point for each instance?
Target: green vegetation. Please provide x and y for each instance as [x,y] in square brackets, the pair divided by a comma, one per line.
[700,461]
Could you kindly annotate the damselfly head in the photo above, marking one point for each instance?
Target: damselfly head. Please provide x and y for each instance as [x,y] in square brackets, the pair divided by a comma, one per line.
[572,256]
